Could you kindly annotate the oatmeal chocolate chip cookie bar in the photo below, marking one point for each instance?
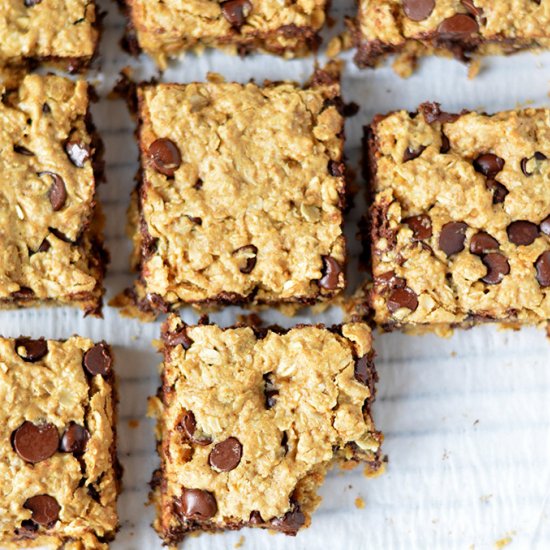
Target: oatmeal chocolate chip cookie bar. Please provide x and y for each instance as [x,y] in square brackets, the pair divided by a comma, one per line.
[167,28]
[50,161]
[240,196]
[460,217]
[63,32]
[461,28]
[250,420]
[58,467]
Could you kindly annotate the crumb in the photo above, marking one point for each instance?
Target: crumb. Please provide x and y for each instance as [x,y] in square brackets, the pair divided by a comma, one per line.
[476,422]
[359,503]
[239,543]
[504,541]
[369,472]
[133,423]
[445,455]
[134,337]
[453,353]
[485,498]
[474,69]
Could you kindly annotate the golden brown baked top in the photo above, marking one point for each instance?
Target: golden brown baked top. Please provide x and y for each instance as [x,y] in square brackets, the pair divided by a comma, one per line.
[251,423]
[242,192]
[171,26]
[461,216]
[393,21]
[47,192]
[57,449]
[47,29]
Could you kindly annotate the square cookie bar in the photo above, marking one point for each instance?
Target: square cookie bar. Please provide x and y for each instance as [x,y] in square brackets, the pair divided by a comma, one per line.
[249,422]
[461,28]
[167,28]
[62,32]
[241,194]
[52,250]
[58,463]
[460,217]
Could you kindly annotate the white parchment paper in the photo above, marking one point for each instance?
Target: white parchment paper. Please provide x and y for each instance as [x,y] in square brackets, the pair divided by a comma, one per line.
[467,420]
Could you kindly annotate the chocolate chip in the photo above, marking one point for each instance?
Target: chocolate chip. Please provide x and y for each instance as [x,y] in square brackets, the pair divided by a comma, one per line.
[24,293]
[98,360]
[236,12]
[489,165]
[196,504]
[27,530]
[46,109]
[255,518]
[179,338]
[497,267]
[522,233]
[537,157]
[44,246]
[458,26]
[421,226]
[188,425]
[445,144]
[165,156]
[270,391]
[45,509]
[34,443]
[545,226]
[474,10]
[23,151]
[364,370]
[247,256]
[31,3]
[431,111]
[75,439]
[499,191]
[291,522]
[336,169]
[77,152]
[331,273]
[452,236]
[402,298]
[418,10]
[542,266]
[58,192]
[226,456]
[482,242]
[31,350]
[411,154]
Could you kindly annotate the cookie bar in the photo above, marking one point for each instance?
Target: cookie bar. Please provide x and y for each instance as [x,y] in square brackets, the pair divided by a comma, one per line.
[58,463]
[50,162]
[460,217]
[240,195]
[62,32]
[165,29]
[461,28]
[249,422]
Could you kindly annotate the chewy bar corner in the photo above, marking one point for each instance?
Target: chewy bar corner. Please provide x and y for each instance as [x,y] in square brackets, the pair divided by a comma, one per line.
[288,29]
[52,243]
[63,33]
[250,420]
[459,226]
[461,28]
[58,462]
[241,194]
